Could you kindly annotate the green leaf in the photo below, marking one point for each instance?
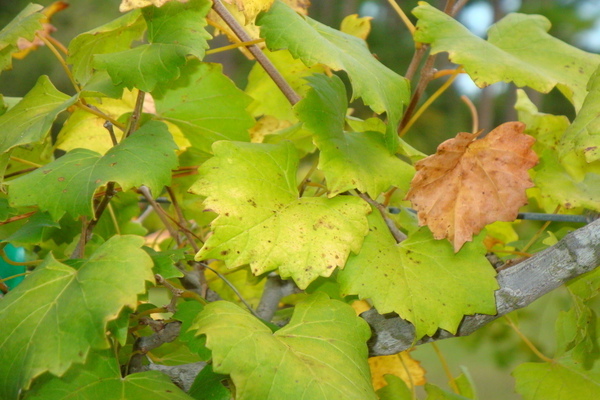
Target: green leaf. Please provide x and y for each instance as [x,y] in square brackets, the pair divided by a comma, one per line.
[24,26]
[320,354]
[268,98]
[37,229]
[421,278]
[74,303]
[436,393]
[115,36]
[263,222]
[519,50]
[181,24]
[30,120]
[100,378]
[352,160]
[208,386]
[576,332]
[205,105]
[143,67]
[144,158]
[164,262]
[395,389]
[187,313]
[314,43]
[563,380]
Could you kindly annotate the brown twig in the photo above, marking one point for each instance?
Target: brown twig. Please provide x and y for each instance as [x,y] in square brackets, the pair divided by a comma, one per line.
[398,235]
[145,191]
[262,59]
[134,120]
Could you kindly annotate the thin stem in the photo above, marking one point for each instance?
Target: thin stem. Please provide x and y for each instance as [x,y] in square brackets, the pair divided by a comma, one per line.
[26,162]
[416,61]
[111,132]
[17,218]
[402,16]
[113,218]
[182,220]
[60,60]
[234,46]
[305,181]
[235,290]
[425,77]
[262,59]
[458,6]
[387,197]
[398,235]
[58,45]
[135,116]
[20,172]
[539,233]
[446,368]
[413,391]
[161,213]
[527,341]
[474,115]
[430,101]
[100,114]
[14,276]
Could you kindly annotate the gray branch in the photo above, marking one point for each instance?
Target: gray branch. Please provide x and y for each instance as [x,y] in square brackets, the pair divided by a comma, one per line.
[520,285]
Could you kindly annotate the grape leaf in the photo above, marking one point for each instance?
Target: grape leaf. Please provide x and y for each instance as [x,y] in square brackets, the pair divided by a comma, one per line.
[268,99]
[401,365]
[39,227]
[314,43]
[99,377]
[420,278]
[395,389]
[74,303]
[320,354]
[352,160]
[24,25]
[205,105]
[145,158]
[174,31]
[262,221]
[470,183]
[127,5]
[519,50]
[356,26]
[208,386]
[114,36]
[561,380]
[30,120]
[436,393]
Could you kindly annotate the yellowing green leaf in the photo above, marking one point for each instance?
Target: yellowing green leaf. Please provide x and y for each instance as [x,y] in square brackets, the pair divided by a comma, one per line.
[519,50]
[320,354]
[23,26]
[30,120]
[127,5]
[205,105]
[356,26]
[314,43]
[350,160]
[58,314]
[145,158]
[262,221]
[101,376]
[420,278]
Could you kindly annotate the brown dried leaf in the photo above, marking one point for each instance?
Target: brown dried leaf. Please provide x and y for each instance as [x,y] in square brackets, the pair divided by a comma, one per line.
[470,183]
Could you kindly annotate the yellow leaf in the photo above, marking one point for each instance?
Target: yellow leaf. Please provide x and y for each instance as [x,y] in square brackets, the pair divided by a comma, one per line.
[356,26]
[401,365]
[128,5]
[360,306]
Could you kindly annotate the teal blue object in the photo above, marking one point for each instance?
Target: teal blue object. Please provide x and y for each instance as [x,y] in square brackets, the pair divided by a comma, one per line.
[15,254]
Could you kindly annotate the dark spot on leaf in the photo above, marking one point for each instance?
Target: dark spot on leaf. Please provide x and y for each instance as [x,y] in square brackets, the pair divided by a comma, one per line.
[64,190]
[61,178]
[252,202]
[113,164]
[46,171]
[224,252]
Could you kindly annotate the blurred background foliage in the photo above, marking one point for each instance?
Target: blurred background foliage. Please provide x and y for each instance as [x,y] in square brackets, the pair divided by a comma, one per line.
[490,354]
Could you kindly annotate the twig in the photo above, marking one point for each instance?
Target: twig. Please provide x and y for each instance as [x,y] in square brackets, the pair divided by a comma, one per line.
[425,77]
[398,235]
[183,223]
[160,212]
[275,289]
[164,333]
[234,46]
[176,292]
[94,110]
[61,60]
[17,218]
[262,59]
[232,287]
[402,16]
[134,120]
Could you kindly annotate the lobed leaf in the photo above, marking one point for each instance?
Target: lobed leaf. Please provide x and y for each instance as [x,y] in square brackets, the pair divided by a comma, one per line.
[470,183]
[420,278]
[59,313]
[24,25]
[262,221]
[314,43]
[145,158]
[519,50]
[350,160]
[30,120]
[100,377]
[205,104]
[320,354]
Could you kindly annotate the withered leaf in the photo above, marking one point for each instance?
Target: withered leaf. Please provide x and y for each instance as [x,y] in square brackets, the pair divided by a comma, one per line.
[470,183]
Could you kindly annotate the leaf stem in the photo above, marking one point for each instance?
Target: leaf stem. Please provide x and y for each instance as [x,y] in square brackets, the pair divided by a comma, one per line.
[474,115]
[527,341]
[134,120]
[262,59]
[234,46]
[26,162]
[183,222]
[539,232]
[13,276]
[396,233]
[232,287]
[402,16]
[430,101]
[446,368]
[145,191]
[17,218]
[61,60]
[94,110]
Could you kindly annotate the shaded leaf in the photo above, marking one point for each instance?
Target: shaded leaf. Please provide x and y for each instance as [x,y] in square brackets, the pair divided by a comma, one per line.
[519,50]
[314,43]
[73,302]
[352,160]
[262,221]
[24,25]
[421,278]
[144,158]
[470,183]
[114,36]
[205,105]
[320,354]
[30,120]
[208,386]
[101,376]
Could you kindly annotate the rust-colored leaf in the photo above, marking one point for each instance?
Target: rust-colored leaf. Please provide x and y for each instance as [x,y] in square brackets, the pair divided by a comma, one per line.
[470,183]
